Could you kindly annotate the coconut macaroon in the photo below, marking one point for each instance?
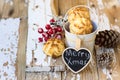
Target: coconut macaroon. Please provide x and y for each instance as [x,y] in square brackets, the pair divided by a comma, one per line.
[54,47]
[79,19]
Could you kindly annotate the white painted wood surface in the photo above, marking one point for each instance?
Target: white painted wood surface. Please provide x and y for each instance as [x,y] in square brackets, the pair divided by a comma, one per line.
[38,16]
[37,61]
[8,48]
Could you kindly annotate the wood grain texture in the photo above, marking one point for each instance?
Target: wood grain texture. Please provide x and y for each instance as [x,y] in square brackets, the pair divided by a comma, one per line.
[92,70]
[107,18]
[21,10]
[1,7]
[17,9]
[54,7]
[44,76]
[21,57]
[13,8]
[109,10]
[59,7]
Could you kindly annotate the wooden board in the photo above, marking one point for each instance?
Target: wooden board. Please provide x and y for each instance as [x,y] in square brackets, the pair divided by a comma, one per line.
[8,47]
[39,66]
[104,9]
[21,57]
[59,7]
[13,8]
[104,18]
[17,9]
[107,20]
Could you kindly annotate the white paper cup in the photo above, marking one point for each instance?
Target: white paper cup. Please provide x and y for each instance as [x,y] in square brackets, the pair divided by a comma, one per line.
[87,40]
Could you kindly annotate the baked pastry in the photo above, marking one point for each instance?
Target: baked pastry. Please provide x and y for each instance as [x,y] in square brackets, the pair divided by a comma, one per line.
[54,47]
[79,19]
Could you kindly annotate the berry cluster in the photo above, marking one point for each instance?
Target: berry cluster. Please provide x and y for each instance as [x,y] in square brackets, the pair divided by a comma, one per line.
[52,31]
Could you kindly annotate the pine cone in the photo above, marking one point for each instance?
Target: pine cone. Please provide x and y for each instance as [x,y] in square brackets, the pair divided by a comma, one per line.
[105,57]
[107,38]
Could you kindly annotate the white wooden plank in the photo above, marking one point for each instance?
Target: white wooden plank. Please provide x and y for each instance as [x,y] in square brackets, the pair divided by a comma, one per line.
[38,12]
[45,69]
[8,48]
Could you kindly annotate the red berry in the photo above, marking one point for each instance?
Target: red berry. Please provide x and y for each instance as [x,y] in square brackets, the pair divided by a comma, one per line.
[55,29]
[50,31]
[40,30]
[58,36]
[59,29]
[40,39]
[45,34]
[48,34]
[52,20]
[46,38]
[48,26]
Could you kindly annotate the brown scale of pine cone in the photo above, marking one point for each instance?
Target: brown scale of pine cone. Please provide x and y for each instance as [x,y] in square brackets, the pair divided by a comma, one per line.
[105,59]
[107,38]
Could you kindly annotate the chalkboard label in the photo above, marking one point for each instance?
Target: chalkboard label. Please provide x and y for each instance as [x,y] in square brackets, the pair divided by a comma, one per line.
[76,60]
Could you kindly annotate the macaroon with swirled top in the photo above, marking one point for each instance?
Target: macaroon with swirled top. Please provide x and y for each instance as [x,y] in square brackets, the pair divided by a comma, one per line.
[79,19]
[54,47]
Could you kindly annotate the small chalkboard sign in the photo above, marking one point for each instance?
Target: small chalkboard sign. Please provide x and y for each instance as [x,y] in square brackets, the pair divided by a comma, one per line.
[76,60]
